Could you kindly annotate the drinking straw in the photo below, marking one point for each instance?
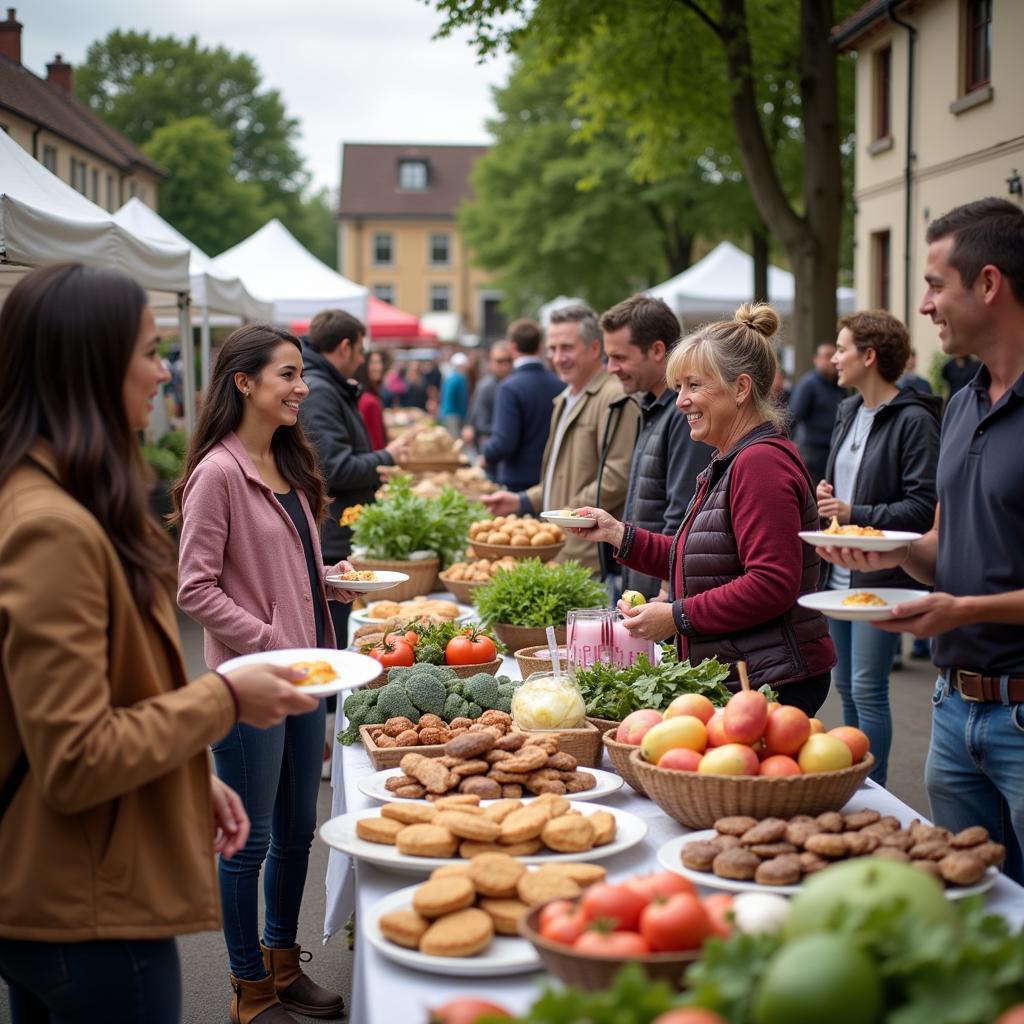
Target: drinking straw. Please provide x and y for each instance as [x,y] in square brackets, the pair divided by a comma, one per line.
[556,665]
[741,668]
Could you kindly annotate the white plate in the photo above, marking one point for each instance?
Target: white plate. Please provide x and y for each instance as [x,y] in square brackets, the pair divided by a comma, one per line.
[340,833]
[557,517]
[385,581]
[361,616]
[506,954]
[373,786]
[892,540]
[830,603]
[670,858]
[353,669]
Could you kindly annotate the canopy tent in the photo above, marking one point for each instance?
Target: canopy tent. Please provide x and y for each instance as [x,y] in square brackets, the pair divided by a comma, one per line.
[724,279]
[273,264]
[212,288]
[43,220]
[385,323]
[545,311]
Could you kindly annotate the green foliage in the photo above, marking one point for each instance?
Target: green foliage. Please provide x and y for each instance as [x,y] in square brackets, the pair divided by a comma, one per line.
[534,593]
[165,464]
[175,441]
[938,361]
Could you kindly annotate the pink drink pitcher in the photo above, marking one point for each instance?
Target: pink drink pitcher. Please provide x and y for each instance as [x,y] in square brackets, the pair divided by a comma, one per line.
[626,648]
[588,636]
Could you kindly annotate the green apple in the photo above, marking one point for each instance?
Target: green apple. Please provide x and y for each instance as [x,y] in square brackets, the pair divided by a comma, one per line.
[633,598]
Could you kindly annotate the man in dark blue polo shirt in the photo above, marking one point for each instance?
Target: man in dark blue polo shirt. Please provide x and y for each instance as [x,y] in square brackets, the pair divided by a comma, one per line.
[974,554]
[812,410]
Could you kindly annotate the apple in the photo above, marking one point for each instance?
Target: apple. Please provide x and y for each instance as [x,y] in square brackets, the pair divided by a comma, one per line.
[716,728]
[824,753]
[694,704]
[856,740]
[816,726]
[786,731]
[746,715]
[731,759]
[681,731]
[780,764]
[634,726]
[633,598]
[681,759]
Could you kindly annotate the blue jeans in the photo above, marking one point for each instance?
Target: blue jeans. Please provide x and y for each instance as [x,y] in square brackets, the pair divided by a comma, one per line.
[863,662]
[973,772]
[276,772]
[128,981]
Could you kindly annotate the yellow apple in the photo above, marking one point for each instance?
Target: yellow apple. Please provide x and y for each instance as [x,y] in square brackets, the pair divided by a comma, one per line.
[681,731]
[824,753]
[693,704]
[730,759]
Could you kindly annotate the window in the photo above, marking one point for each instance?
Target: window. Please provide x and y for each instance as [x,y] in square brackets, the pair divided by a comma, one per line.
[110,193]
[883,93]
[978,38]
[132,189]
[412,175]
[95,185]
[383,248]
[384,292]
[439,249]
[77,179]
[50,158]
[440,298]
[881,269]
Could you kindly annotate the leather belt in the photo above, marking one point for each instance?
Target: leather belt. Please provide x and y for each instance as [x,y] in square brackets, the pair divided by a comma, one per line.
[976,688]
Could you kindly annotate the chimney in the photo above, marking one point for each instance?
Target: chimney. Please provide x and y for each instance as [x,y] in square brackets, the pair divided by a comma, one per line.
[10,37]
[59,74]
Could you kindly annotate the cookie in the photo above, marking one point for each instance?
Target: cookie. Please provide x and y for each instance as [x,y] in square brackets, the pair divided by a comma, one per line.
[403,927]
[442,896]
[501,809]
[506,914]
[962,867]
[511,791]
[738,864]
[469,826]
[830,821]
[582,874]
[540,886]
[827,844]
[461,801]
[734,825]
[408,814]
[413,791]
[470,744]
[556,805]
[767,851]
[783,870]
[481,786]
[431,775]
[968,837]
[469,848]
[861,819]
[379,830]
[526,759]
[769,830]
[526,823]
[571,833]
[698,856]
[457,870]
[510,741]
[426,841]
[495,874]
[464,933]
[579,782]
[562,761]
[604,825]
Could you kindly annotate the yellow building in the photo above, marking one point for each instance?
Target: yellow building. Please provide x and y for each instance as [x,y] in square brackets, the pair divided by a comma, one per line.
[397,234]
[43,116]
[938,87]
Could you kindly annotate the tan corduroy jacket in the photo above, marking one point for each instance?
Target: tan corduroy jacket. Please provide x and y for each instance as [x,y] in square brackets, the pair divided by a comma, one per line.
[575,481]
[109,835]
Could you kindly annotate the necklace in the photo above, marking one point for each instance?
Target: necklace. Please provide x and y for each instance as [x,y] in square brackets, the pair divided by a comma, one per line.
[858,441]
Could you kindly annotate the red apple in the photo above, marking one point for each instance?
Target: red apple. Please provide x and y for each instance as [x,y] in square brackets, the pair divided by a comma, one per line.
[635,725]
[680,759]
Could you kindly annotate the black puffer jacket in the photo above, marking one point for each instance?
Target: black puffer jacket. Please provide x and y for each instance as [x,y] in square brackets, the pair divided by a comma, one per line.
[895,487]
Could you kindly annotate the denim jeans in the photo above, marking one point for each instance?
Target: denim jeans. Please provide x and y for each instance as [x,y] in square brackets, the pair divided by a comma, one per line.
[276,772]
[973,772]
[128,981]
[863,662]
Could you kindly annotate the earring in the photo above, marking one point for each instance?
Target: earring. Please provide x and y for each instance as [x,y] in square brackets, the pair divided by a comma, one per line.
[245,393]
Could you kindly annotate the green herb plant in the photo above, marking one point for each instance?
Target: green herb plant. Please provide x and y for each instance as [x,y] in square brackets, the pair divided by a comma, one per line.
[534,593]
[434,639]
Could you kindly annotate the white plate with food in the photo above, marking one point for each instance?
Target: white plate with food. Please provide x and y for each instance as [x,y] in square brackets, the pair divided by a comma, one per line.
[506,954]
[330,671]
[375,786]
[340,834]
[365,581]
[870,540]
[568,519]
[860,604]
[379,611]
[670,858]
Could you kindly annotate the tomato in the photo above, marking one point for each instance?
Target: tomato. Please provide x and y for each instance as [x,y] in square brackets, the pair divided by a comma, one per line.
[662,883]
[718,906]
[675,922]
[410,636]
[689,1015]
[617,904]
[465,1011]
[563,924]
[597,942]
[472,649]
[556,908]
[393,651]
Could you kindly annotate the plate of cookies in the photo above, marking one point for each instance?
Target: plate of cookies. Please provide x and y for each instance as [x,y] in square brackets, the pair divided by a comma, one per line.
[377,787]
[744,854]
[416,837]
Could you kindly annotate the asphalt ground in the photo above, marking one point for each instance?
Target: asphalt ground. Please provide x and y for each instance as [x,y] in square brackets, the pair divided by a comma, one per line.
[207,992]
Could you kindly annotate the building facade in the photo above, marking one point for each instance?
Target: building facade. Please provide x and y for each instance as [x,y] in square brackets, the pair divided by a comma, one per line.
[60,131]
[398,235]
[938,119]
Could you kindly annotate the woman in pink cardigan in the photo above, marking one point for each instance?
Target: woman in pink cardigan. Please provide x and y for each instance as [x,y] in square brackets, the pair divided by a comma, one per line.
[252,575]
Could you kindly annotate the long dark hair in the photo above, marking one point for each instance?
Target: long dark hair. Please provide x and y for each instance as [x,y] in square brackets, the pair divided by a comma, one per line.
[363,373]
[67,337]
[248,350]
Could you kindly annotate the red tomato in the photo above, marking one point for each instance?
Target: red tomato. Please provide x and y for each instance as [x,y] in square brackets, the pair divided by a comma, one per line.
[718,906]
[474,649]
[613,903]
[662,883]
[689,1015]
[678,922]
[393,651]
[465,1011]
[556,908]
[563,925]
[596,942]
[411,637]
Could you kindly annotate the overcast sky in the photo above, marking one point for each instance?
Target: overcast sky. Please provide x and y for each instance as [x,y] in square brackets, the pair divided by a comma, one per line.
[349,70]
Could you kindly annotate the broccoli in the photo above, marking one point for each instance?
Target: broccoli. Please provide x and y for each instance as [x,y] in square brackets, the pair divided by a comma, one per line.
[430,653]
[399,673]
[482,688]
[394,702]
[474,710]
[426,693]
[455,707]
[358,704]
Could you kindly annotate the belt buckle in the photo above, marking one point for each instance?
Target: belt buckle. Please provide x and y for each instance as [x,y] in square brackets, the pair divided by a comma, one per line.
[960,676]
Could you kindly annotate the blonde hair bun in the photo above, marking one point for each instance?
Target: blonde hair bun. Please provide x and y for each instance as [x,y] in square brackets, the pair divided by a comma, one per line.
[759,317]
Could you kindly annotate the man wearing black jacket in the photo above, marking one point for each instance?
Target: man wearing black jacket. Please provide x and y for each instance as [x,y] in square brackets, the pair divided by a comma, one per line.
[639,334]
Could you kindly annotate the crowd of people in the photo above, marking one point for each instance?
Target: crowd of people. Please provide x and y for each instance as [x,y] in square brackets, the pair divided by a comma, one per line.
[681,449]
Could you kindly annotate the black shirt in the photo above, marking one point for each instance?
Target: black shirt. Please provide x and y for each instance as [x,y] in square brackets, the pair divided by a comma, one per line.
[291,504]
[981,527]
[957,376]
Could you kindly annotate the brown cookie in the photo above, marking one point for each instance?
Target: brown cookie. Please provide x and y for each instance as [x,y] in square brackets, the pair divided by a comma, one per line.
[470,744]
[698,856]
[499,774]
[481,786]
[403,927]
[527,823]
[466,768]
[433,777]
[968,837]
[562,762]
[831,821]
[526,759]
[414,791]
[827,844]
[495,874]
[477,827]
[784,870]
[426,841]
[739,864]
[811,862]
[501,809]
[860,844]
[769,830]
[506,914]
[468,802]
[511,791]
[604,826]
[993,854]
[555,804]
[397,781]
[540,886]
[379,830]
[963,867]
[930,849]
[549,787]
[582,874]
[511,741]
[442,896]
[497,756]
[408,814]
[861,819]
[769,850]
[464,933]
[570,833]
[547,742]
[469,849]
[721,843]
[735,825]
[797,833]
[579,782]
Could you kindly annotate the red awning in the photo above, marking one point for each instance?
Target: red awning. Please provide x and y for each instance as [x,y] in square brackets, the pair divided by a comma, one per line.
[385,322]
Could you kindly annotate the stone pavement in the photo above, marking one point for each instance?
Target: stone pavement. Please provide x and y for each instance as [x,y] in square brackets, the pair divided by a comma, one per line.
[204,960]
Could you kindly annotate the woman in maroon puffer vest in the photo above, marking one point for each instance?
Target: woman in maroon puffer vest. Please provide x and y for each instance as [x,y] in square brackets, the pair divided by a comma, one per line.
[736,566]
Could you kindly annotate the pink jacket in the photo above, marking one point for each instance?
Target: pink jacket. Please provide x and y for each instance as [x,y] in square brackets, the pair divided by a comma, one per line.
[242,574]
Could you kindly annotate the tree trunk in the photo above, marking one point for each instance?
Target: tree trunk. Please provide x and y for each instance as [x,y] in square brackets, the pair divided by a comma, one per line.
[759,245]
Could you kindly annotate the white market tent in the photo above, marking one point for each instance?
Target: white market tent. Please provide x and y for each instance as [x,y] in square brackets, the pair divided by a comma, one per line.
[213,289]
[43,220]
[724,279]
[545,311]
[274,265]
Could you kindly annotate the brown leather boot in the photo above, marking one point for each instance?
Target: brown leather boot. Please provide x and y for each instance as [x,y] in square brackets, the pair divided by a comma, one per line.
[256,1001]
[295,989]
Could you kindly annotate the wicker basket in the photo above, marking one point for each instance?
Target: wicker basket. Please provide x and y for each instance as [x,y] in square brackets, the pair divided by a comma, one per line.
[390,757]
[461,590]
[519,551]
[422,573]
[602,725]
[515,638]
[594,973]
[438,464]
[465,671]
[584,743]
[619,754]
[528,663]
[697,801]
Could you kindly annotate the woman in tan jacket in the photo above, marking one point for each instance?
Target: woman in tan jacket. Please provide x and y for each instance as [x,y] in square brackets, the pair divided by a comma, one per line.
[109,814]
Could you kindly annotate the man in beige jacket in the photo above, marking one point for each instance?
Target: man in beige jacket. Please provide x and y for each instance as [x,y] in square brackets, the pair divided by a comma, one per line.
[591,438]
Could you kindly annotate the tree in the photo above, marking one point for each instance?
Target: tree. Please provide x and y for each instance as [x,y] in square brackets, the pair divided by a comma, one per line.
[314,223]
[670,68]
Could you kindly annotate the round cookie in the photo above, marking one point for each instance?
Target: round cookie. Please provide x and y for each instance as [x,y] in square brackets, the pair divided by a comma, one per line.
[408,814]
[582,874]
[426,841]
[540,886]
[604,825]
[506,914]
[698,856]
[456,870]
[442,896]
[464,933]
[469,849]
[526,823]
[379,830]
[495,874]
[469,826]
[738,864]
[569,833]
[403,927]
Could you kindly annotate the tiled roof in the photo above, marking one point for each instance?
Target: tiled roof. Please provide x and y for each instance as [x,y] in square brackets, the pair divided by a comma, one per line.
[369,180]
[35,99]
[849,32]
